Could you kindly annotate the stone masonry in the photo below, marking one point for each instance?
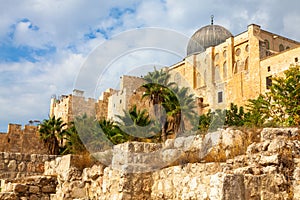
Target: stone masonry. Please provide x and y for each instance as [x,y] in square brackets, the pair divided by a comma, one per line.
[20,140]
[223,165]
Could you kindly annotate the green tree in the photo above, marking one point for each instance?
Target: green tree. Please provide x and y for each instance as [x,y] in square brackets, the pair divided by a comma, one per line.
[73,144]
[281,105]
[92,134]
[138,125]
[113,132]
[235,116]
[52,132]
[258,111]
[157,91]
[285,97]
[180,107]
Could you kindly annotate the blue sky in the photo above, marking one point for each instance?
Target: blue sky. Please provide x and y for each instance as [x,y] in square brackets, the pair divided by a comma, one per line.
[43,44]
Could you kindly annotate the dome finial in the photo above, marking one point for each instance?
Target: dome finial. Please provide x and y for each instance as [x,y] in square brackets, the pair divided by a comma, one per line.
[212,19]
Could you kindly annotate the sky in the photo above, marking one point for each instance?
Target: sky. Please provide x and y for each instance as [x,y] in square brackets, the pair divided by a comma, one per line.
[45,43]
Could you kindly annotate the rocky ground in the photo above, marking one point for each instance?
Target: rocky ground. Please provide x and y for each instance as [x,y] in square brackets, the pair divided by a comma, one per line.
[227,164]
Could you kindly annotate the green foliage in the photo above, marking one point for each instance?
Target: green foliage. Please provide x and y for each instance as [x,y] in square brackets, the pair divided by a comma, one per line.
[52,133]
[235,116]
[92,134]
[211,121]
[73,143]
[138,125]
[113,132]
[285,97]
[258,111]
[280,106]
[178,104]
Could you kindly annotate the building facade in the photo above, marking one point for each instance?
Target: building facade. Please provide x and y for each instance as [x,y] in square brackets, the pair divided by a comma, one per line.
[219,68]
[237,68]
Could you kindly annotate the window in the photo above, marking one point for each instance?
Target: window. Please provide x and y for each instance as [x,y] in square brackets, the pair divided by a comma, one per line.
[234,67]
[225,70]
[216,57]
[267,43]
[217,74]
[220,97]
[296,59]
[198,80]
[268,82]
[269,68]
[238,52]
[281,47]
[246,64]
[287,48]
[247,48]
[224,53]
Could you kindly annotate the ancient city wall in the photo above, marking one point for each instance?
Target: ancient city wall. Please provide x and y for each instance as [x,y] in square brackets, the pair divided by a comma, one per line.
[22,140]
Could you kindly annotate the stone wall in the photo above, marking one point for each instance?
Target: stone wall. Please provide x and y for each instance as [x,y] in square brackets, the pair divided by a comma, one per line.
[16,165]
[268,168]
[20,140]
[33,188]
[224,165]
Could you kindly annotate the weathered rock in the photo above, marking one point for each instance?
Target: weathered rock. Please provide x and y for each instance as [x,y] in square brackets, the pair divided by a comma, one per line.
[270,160]
[268,169]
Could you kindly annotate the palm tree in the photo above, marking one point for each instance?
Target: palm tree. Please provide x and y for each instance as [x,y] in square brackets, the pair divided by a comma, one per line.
[138,124]
[91,133]
[73,144]
[180,107]
[52,133]
[113,132]
[156,90]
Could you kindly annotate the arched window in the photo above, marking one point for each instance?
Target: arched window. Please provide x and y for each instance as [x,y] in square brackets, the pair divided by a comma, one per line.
[247,48]
[281,47]
[287,47]
[246,64]
[267,44]
[225,70]
[224,53]
[217,74]
[238,52]
[216,57]
[235,67]
[198,80]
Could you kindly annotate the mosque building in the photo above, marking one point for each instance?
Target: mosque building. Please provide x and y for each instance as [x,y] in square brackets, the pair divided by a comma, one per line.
[220,69]
[223,69]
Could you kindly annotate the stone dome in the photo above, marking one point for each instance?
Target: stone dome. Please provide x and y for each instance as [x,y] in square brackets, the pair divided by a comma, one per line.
[207,36]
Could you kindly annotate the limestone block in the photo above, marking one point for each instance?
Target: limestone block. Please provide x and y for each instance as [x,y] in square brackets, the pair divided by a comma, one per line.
[269,160]
[48,189]
[271,133]
[276,144]
[19,156]
[169,144]
[12,165]
[20,188]
[34,189]
[34,197]
[21,167]
[269,170]
[216,186]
